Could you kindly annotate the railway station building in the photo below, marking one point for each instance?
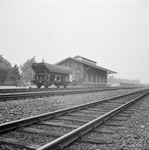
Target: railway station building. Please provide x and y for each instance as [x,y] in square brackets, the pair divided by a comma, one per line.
[85,71]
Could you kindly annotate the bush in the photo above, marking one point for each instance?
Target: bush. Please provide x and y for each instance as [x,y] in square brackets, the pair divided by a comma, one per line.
[10,83]
[74,82]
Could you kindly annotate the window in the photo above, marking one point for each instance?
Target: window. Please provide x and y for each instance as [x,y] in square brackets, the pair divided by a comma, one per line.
[89,77]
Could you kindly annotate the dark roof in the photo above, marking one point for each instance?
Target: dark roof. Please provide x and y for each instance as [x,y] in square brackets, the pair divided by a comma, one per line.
[50,68]
[89,64]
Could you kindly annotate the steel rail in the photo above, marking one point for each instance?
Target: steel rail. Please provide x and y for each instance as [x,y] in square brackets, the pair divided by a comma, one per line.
[12,96]
[50,89]
[27,121]
[19,90]
[68,138]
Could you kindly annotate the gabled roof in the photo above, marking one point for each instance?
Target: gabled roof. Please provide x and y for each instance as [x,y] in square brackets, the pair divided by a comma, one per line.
[45,67]
[85,59]
[89,64]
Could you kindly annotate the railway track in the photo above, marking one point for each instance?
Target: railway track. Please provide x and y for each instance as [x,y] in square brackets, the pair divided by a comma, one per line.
[22,90]
[35,94]
[58,129]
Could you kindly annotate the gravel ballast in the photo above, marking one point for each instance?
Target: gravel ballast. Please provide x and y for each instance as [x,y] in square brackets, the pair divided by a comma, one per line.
[133,135]
[124,138]
[18,109]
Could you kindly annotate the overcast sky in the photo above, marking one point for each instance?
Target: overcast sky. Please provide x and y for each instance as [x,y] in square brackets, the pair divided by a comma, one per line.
[114,33]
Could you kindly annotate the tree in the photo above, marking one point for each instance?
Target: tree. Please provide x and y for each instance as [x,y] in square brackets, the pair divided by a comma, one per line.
[15,74]
[43,61]
[112,79]
[5,68]
[27,72]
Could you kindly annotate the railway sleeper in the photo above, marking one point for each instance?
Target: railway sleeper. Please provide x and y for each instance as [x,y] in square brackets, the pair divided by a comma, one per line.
[123,115]
[127,112]
[91,112]
[94,109]
[59,124]
[105,131]
[118,102]
[73,119]
[84,115]
[105,106]
[119,119]
[14,142]
[37,131]
[113,124]
[95,141]
[130,109]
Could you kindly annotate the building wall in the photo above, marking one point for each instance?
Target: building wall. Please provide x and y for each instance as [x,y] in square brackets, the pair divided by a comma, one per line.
[85,74]
[96,76]
[77,69]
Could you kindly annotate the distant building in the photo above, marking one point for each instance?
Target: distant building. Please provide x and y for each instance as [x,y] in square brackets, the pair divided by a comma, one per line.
[85,71]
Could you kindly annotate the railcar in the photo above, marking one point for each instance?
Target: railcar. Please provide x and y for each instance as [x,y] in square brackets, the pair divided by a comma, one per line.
[47,74]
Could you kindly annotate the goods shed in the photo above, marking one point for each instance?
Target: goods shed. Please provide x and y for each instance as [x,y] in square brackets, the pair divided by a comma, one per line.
[85,71]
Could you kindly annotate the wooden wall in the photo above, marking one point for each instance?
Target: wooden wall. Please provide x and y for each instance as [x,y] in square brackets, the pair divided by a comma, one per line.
[84,73]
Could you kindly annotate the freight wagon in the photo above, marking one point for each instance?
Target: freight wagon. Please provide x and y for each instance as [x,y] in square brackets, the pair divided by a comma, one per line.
[47,74]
